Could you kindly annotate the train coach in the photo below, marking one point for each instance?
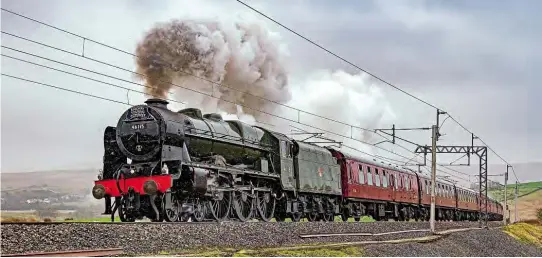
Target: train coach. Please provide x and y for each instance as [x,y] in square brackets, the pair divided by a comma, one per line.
[175,166]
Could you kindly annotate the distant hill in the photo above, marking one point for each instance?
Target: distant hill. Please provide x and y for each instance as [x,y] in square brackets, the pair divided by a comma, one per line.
[63,180]
[59,189]
[526,172]
[527,206]
[523,189]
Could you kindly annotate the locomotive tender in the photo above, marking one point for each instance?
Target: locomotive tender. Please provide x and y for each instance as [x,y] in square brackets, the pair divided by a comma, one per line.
[166,165]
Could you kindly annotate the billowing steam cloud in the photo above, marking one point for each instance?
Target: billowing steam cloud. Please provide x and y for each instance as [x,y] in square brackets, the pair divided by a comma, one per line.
[245,57]
[249,58]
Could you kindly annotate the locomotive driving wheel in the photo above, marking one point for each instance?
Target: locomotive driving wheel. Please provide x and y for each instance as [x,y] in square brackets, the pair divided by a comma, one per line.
[328,215]
[243,204]
[172,214]
[266,205]
[296,216]
[199,211]
[123,215]
[220,205]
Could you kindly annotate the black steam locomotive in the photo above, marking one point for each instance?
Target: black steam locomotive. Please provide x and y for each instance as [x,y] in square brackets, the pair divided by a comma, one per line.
[173,166]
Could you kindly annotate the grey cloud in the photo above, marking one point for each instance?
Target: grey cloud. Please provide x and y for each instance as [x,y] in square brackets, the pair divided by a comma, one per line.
[478,64]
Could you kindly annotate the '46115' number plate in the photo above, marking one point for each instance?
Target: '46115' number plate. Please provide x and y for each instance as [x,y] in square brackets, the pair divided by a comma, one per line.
[138,126]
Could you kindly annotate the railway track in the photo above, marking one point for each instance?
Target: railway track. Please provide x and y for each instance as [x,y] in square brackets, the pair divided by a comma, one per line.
[72,253]
[154,237]
[122,223]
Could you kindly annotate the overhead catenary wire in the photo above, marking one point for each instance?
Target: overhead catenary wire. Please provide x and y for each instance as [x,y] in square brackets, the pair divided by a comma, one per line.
[171,66]
[215,83]
[212,96]
[122,102]
[84,77]
[371,74]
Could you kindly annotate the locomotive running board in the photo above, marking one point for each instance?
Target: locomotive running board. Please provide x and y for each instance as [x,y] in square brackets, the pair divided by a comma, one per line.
[231,170]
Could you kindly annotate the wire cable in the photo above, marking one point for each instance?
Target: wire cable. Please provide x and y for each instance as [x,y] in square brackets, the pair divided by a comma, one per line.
[215,83]
[210,95]
[122,102]
[81,76]
[171,66]
[64,89]
[365,71]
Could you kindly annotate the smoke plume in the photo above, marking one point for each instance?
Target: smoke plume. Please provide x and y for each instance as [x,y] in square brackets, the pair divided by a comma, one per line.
[248,58]
[203,54]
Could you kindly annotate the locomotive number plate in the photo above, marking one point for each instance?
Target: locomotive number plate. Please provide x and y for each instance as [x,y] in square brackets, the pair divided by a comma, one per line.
[138,126]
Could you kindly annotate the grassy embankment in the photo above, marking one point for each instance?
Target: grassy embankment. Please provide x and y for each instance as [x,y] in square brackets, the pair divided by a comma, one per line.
[529,233]
[523,190]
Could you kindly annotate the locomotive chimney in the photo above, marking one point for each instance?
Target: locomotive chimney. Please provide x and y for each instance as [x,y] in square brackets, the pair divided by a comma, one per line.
[160,103]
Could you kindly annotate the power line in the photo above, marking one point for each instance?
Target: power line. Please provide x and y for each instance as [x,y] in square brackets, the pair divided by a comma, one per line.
[429,159]
[335,55]
[367,72]
[78,75]
[128,104]
[77,67]
[64,89]
[171,66]
[206,94]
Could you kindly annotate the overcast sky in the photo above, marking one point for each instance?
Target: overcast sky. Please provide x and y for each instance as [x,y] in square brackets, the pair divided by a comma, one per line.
[478,60]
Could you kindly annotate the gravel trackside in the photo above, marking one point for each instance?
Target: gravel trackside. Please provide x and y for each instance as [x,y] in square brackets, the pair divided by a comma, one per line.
[149,238]
[472,243]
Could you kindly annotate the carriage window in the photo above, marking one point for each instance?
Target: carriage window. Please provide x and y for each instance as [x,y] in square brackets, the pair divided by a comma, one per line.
[361,175]
[377,177]
[369,176]
[426,187]
[407,183]
[384,179]
[396,182]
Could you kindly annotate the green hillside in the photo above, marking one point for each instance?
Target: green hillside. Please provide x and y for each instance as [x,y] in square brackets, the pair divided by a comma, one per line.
[523,189]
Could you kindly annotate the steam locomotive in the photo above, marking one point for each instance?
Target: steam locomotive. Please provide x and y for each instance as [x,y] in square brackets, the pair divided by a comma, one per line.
[179,166]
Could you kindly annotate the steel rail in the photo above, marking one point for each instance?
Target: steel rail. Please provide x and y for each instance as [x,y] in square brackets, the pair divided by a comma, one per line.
[443,232]
[364,234]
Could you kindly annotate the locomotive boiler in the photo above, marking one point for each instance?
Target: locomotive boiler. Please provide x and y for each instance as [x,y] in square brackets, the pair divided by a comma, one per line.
[159,163]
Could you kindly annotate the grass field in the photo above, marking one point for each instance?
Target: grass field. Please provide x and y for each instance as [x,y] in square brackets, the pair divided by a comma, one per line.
[523,189]
[527,206]
[530,233]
